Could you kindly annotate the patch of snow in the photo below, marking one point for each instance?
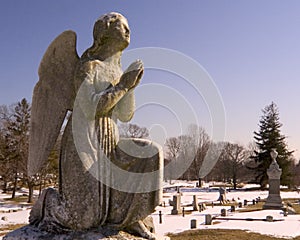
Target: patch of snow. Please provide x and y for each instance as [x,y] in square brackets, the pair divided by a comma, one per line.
[288,227]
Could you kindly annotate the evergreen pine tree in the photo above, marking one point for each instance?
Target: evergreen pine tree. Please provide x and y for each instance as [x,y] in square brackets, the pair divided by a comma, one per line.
[269,136]
[18,134]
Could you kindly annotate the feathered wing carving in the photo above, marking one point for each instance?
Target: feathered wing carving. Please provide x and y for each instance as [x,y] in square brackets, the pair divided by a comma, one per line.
[53,96]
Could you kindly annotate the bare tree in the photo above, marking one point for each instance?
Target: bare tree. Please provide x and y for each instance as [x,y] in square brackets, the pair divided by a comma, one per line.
[201,143]
[221,171]
[186,155]
[235,155]
[128,130]
[173,146]
[188,152]
[231,164]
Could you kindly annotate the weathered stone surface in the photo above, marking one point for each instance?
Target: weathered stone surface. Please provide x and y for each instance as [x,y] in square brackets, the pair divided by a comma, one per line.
[223,212]
[59,62]
[193,223]
[195,203]
[208,219]
[104,181]
[274,172]
[222,197]
[269,218]
[32,233]
[176,203]
[274,200]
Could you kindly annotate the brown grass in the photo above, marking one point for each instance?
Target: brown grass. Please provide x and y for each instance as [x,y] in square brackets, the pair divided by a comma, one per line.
[252,208]
[259,206]
[4,229]
[216,234]
[297,208]
[18,199]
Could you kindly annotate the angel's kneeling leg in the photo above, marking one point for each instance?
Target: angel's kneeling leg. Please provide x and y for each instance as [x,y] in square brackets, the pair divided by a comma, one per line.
[48,213]
[139,185]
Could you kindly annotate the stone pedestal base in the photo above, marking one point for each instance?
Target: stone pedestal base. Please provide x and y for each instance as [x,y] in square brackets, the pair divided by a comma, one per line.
[32,233]
[274,201]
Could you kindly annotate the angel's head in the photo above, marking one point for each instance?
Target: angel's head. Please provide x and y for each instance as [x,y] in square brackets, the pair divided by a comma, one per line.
[112,28]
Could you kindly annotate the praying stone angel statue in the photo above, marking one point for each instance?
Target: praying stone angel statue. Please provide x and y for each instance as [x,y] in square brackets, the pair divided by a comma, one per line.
[105,183]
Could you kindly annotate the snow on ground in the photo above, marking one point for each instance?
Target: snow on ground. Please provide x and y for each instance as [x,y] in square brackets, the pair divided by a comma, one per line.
[15,217]
[12,212]
[288,226]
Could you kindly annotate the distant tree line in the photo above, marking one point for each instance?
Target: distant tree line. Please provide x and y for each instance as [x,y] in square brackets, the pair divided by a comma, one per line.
[234,162]
[237,163]
[230,165]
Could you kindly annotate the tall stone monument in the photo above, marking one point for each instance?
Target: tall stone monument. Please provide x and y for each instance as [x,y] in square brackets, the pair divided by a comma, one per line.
[274,200]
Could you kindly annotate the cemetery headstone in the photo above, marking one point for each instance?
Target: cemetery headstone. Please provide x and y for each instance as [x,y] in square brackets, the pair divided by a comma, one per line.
[269,218]
[208,219]
[223,212]
[193,223]
[232,208]
[176,203]
[195,203]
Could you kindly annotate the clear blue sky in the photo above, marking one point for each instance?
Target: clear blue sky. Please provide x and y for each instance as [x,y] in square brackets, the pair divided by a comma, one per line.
[251,49]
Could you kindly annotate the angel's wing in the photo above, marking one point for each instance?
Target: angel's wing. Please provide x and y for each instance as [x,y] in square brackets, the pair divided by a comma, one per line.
[52,98]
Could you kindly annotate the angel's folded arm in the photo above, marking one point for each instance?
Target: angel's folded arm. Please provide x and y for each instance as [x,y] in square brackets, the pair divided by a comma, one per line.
[124,109]
[108,98]
[98,103]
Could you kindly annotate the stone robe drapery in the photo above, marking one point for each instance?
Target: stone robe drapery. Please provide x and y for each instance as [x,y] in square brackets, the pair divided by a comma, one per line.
[84,202]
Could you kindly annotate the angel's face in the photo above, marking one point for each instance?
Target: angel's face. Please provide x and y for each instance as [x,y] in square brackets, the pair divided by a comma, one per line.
[119,32]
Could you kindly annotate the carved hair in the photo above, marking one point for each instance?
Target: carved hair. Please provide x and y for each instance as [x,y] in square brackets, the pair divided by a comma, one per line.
[104,21]
[100,27]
